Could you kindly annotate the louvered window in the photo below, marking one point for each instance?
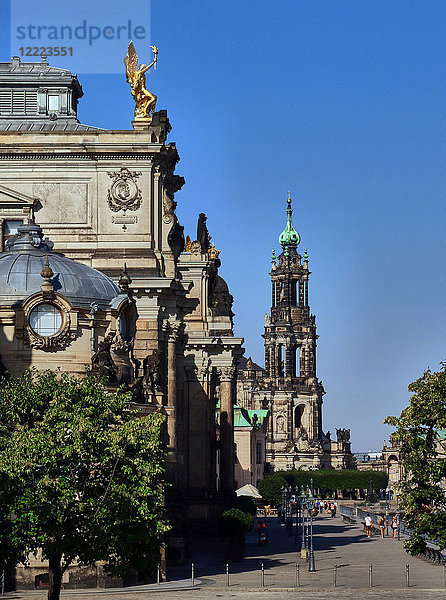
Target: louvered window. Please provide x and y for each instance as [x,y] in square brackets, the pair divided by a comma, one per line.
[31,102]
[18,102]
[5,102]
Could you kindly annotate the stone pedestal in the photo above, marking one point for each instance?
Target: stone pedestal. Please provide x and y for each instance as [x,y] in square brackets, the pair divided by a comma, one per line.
[141,124]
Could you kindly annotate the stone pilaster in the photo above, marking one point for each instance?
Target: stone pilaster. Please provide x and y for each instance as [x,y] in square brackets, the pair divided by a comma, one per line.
[227,375]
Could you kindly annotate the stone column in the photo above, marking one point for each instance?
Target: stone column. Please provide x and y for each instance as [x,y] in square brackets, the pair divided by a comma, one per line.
[199,423]
[227,375]
[172,328]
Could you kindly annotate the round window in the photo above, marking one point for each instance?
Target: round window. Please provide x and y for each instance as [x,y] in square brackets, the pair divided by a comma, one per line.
[45,319]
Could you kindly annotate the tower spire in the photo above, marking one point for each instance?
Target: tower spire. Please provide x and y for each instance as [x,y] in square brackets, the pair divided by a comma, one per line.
[289,236]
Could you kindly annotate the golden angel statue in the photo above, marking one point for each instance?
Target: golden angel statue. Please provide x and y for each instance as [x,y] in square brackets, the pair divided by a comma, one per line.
[145,101]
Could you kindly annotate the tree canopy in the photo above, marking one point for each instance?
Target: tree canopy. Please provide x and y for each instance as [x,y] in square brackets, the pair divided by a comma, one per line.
[419,436]
[324,480]
[82,474]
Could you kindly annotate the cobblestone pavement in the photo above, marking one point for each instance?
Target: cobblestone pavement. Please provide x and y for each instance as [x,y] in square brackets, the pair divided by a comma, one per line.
[335,542]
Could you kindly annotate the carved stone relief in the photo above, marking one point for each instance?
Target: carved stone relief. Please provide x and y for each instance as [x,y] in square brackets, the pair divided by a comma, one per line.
[124,193]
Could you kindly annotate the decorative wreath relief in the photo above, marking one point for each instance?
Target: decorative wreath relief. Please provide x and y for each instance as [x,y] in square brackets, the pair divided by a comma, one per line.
[124,194]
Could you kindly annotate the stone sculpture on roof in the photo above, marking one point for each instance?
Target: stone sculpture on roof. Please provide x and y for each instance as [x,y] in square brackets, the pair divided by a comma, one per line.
[202,233]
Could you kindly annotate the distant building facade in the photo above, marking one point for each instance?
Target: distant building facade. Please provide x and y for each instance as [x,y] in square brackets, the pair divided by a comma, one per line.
[250,431]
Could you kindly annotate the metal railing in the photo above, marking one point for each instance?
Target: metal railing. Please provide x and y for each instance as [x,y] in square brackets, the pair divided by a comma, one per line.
[366,575]
[348,511]
[361,514]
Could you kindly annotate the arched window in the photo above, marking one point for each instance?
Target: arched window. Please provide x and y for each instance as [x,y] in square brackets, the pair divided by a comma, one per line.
[296,362]
[393,468]
[127,323]
[280,360]
[298,416]
[294,292]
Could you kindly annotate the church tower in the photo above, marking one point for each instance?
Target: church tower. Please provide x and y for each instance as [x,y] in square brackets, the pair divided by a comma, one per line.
[290,358]
[288,387]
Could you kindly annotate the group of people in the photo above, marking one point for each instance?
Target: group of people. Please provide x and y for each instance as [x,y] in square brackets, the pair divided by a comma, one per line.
[327,506]
[382,524]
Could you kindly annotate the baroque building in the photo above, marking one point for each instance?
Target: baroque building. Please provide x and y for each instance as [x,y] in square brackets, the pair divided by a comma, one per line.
[119,293]
[289,386]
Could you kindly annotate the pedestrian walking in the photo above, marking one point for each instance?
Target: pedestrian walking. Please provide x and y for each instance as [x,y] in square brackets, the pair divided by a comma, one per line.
[382,525]
[394,526]
[326,506]
[368,525]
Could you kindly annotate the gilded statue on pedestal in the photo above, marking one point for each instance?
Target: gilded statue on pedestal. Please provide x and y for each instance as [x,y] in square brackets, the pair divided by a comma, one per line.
[145,101]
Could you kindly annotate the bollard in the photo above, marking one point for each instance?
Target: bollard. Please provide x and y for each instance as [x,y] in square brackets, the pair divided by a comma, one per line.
[262,576]
[297,576]
[407,575]
[370,576]
[227,574]
[158,575]
[335,573]
[192,574]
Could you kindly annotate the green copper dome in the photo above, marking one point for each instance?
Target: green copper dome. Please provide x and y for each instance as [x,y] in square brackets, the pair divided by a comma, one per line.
[289,236]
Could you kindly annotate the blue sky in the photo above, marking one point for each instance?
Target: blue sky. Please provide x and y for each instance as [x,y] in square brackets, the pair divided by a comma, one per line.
[343,103]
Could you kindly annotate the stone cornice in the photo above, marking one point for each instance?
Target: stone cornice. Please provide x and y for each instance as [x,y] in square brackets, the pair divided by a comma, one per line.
[90,156]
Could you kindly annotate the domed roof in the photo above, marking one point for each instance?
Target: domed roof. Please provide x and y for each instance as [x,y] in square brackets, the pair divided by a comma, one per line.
[23,260]
[289,236]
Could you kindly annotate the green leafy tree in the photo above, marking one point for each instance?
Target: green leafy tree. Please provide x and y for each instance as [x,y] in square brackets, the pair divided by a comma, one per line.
[83,475]
[323,480]
[270,488]
[417,435]
[235,523]
[246,504]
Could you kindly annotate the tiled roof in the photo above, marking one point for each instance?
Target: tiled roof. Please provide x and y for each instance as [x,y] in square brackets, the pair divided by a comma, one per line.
[37,126]
[244,417]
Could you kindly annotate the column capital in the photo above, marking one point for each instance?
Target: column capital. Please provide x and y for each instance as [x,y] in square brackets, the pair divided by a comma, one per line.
[195,372]
[226,373]
[173,329]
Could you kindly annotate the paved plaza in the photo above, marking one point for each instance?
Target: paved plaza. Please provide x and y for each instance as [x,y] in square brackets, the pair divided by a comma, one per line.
[335,542]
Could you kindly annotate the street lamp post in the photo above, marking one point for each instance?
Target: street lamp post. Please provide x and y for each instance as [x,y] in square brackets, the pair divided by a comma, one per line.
[290,510]
[398,516]
[387,512]
[310,506]
[282,514]
[303,500]
[297,539]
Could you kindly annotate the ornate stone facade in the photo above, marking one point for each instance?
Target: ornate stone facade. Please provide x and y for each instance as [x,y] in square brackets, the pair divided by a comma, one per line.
[107,200]
[289,386]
